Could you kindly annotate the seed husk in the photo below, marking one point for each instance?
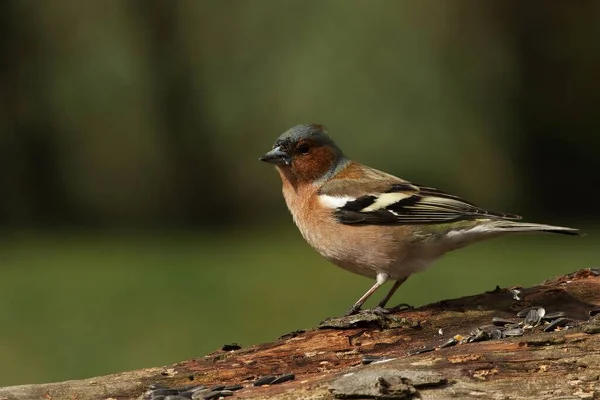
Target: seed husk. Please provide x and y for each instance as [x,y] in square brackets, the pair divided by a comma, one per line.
[208,395]
[449,343]
[533,318]
[479,336]
[557,323]
[199,394]
[265,380]
[523,312]
[554,315]
[495,334]
[283,378]
[513,332]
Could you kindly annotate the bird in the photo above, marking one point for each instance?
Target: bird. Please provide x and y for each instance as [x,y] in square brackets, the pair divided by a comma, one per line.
[373,223]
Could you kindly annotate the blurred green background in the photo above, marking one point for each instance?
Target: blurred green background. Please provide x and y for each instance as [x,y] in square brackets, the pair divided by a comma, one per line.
[137,227]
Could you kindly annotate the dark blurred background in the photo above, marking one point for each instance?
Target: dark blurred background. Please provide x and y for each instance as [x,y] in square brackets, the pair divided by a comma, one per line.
[137,227]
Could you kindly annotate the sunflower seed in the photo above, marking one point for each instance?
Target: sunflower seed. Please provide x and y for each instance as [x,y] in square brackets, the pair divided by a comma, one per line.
[513,332]
[189,388]
[554,315]
[199,394]
[161,397]
[560,322]
[207,396]
[498,321]
[173,397]
[594,312]
[283,378]
[226,393]
[523,312]
[234,387]
[192,390]
[216,388]
[451,342]
[495,334]
[533,318]
[265,380]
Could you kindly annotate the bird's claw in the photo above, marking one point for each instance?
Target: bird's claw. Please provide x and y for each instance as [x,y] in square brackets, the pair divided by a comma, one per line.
[401,307]
[352,311]
[380,311]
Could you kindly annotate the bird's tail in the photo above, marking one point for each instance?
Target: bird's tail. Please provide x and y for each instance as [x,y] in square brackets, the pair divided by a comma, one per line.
[514,226]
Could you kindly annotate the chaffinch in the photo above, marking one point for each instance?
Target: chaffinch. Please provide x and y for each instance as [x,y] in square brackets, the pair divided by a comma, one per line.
[373,223]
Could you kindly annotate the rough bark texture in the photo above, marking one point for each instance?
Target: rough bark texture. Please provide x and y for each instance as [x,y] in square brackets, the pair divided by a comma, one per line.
[326,362]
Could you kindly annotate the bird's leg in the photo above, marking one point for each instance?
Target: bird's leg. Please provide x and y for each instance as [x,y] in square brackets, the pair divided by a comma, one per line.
[387,298]
[381,278]
[381,306]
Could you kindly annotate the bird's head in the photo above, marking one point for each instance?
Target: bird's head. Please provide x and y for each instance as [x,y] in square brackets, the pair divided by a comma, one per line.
[305,153]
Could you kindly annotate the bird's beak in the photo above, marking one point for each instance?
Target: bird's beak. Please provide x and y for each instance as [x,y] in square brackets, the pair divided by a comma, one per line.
[277,157]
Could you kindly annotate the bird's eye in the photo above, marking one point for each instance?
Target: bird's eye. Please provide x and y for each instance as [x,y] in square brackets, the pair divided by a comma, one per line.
[304,148]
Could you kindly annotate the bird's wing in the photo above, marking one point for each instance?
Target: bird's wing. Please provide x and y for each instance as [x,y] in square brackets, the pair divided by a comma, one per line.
[374,197]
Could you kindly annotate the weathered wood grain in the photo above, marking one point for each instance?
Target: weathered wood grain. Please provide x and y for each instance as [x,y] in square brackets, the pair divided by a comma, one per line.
[327,362]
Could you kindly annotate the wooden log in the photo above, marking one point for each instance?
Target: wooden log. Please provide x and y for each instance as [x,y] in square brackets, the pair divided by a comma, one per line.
[327,362]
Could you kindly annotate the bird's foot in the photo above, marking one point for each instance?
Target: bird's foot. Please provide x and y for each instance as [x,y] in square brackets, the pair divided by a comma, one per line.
[381,311]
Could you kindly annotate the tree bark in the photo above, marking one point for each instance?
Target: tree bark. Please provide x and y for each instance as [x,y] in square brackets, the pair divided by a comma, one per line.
[327,361]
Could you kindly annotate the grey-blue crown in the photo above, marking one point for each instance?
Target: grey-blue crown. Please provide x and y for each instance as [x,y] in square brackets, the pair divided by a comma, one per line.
[299,132]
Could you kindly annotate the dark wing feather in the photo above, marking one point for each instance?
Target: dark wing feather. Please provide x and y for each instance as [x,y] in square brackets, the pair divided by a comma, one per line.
[414,205]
